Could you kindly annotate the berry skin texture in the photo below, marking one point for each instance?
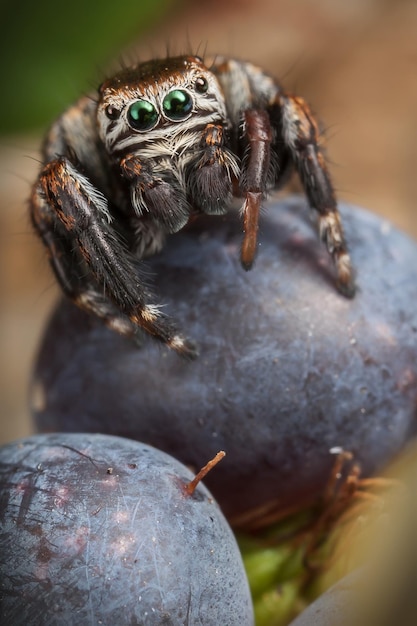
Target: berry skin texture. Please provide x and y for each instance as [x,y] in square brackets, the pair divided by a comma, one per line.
[288,372]
[101,530]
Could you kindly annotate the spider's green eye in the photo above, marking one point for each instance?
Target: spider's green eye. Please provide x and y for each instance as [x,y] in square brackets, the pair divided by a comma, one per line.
[177,104]
[142,115]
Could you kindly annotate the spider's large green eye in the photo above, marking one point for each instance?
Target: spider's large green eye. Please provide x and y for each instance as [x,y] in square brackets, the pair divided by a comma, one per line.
[142,115]
[177,104]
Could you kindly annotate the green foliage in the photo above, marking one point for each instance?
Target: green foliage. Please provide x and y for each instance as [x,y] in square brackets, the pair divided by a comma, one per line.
[51,51]
[276,575]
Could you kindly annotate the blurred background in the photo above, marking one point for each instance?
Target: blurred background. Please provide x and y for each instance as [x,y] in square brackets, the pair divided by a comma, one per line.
[355,62]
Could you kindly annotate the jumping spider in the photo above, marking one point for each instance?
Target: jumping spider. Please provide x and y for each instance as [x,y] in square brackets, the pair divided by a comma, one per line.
[163,142]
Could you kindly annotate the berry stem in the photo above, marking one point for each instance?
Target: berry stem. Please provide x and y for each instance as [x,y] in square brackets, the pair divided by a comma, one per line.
[191,486]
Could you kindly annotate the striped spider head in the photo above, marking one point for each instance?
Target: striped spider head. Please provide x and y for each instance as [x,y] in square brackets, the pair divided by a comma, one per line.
[156,100]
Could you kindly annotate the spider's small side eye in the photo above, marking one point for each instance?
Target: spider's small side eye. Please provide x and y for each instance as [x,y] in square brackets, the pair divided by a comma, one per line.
[112,113]
[201,84]
[142,115]
[177,104]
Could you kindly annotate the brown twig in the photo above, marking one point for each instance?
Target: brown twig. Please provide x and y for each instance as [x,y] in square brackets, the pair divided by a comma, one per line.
[191,486]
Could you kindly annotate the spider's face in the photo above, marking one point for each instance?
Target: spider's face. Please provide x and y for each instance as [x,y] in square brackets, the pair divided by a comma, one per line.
[158,100]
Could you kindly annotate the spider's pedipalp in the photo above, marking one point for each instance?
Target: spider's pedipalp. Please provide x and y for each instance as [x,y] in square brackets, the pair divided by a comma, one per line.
[210,176]
[158,199]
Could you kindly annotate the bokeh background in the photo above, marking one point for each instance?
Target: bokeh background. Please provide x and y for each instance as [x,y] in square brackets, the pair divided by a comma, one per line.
[355,62]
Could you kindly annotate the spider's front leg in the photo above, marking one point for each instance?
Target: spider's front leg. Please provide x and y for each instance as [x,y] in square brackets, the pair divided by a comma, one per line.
[93,267]
[302,138]
[256,172]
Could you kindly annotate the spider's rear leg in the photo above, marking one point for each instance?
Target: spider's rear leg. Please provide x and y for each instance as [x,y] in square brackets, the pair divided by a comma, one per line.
[302,138]
[256,172]
[93,267]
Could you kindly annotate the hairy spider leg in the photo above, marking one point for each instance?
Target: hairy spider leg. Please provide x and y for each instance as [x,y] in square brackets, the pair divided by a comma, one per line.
[251,95]
[302,138]
[247,90]
[254,180]
[72,219]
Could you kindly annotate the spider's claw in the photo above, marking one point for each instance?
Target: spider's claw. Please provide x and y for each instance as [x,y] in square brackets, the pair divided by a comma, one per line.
[183,346]
[347,289]
[150,318]
[345,273]
[248,252]
[246,265]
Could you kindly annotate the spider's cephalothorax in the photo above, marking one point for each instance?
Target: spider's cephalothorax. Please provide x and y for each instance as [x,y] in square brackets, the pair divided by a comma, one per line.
[165,140]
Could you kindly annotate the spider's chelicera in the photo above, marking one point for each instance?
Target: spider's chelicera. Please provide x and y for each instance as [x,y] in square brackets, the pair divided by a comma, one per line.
[164,141]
